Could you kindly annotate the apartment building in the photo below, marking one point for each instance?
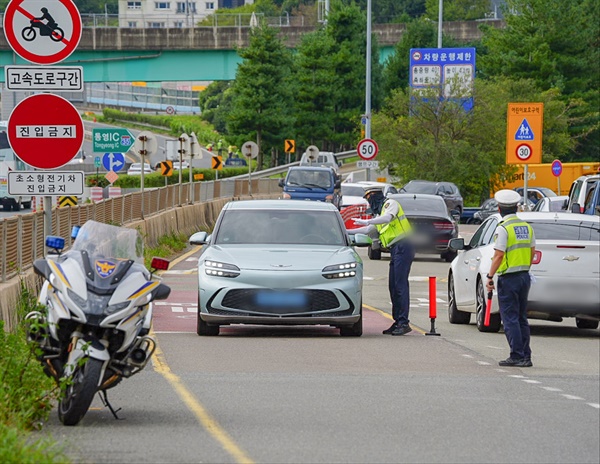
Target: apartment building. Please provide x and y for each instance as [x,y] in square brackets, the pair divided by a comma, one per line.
[168,14]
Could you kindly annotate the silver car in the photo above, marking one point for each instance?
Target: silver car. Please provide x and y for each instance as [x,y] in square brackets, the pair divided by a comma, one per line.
[279,262]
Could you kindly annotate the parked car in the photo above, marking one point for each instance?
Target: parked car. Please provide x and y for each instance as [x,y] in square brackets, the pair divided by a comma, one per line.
[447,190]
[579,191]
[312,183]
[432,225]
[565,271]
[136,169]
[353,194]
[556,203]
[322,159]
[177,166]
[279,262]
[386,188]
[489,207]
[592,201]
[535,194]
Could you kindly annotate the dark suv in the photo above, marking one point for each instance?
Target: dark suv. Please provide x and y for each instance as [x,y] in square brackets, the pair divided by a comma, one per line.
[447,190]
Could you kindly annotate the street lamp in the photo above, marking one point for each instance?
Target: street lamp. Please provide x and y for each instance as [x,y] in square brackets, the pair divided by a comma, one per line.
[440,16]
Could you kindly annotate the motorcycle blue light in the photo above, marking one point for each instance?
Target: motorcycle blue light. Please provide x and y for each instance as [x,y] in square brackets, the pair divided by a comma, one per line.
[57,243]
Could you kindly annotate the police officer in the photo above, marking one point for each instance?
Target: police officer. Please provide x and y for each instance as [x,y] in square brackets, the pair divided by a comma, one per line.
[513,252]
[394,232]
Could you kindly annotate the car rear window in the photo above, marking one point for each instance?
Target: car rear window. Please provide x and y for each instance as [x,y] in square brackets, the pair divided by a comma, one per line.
[420,187]
[417,205]
[567,230]
[352,190]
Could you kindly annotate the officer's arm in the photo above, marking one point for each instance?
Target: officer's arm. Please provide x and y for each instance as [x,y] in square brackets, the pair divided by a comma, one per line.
[383,219]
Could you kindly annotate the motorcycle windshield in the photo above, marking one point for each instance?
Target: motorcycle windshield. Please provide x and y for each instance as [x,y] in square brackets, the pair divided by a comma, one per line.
[104,240]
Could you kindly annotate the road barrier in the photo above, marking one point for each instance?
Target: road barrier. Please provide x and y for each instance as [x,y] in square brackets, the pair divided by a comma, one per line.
[22,236]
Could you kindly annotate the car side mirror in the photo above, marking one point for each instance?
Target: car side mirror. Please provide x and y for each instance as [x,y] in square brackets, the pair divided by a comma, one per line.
[456,244]
[281,183]
[455,215]
[338,184]
[360,240]
[575,208]
[199,238]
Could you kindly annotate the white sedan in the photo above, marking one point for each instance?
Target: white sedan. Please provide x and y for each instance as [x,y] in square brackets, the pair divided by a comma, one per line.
[136,169]
[566,271]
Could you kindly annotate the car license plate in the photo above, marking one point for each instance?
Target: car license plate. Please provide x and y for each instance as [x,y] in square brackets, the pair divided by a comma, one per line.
[283,299]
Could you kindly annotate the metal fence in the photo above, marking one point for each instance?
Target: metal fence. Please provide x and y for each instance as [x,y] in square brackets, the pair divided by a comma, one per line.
[22,236]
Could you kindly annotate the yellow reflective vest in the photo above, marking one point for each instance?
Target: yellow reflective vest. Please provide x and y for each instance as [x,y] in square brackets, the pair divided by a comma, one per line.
[395,230]
[517,256]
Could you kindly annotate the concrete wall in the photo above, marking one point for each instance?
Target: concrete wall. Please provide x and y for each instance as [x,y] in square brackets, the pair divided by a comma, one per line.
[229,38]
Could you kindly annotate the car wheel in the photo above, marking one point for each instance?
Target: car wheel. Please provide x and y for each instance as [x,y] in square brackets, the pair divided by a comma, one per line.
[448,256]
[204,329]
[374,254]
[354,330]
[495,320]
[454,315]
[586,323]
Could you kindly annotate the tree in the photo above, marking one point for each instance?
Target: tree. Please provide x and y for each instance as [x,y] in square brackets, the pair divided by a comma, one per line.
[262,103]
[458,10]
[554,43]
[435,139]
[214,103]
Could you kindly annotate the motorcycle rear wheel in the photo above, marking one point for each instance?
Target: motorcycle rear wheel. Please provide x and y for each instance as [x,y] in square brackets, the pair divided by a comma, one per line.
[57,34]
[80,392]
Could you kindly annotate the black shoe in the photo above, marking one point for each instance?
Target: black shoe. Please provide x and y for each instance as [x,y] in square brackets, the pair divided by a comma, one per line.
[401,330]
[391,329]
[510,362]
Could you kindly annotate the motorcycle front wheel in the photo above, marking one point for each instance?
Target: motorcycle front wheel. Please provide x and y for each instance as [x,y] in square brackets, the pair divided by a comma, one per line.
[57,34]
[80,392]
[28,34]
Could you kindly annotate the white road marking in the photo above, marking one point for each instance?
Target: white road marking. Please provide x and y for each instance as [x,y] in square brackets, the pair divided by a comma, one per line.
[195,260]
[494,347]
[177,309]
[594,405]
[368,278]
[467,356]
[552,389]
[183,272]
[484,363]
[531,381]
[518,376]
[572,397]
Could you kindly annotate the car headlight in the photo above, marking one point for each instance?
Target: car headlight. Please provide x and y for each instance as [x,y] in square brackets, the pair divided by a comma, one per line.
[287,196]
[340,271]
[217,269]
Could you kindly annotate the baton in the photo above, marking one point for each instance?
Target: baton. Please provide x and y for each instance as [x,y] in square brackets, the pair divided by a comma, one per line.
[488,310]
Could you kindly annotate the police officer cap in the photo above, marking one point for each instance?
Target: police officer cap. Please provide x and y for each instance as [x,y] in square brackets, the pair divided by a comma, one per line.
[373,189]
[507,198]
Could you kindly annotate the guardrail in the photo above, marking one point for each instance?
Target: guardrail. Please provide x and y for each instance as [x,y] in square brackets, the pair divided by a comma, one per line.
[22,236]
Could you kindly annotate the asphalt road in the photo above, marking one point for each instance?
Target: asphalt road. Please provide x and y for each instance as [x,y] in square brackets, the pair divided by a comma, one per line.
[304,394]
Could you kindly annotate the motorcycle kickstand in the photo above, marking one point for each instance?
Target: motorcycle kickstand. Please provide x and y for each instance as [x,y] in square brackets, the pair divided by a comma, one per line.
[104,399]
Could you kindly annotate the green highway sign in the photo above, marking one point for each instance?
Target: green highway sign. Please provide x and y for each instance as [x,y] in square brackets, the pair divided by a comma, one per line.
[97,162]
[113,140]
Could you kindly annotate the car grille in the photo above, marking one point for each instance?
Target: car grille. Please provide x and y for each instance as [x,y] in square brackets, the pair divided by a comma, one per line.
[244,300]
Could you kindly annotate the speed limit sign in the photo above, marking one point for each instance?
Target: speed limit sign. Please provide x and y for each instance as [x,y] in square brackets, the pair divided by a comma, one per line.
[367,149]
[524,152]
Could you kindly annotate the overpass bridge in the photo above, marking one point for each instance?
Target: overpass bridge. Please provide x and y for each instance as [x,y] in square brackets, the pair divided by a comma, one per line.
[112,54]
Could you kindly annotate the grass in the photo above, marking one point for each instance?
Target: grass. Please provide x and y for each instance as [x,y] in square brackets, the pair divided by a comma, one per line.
[168,246]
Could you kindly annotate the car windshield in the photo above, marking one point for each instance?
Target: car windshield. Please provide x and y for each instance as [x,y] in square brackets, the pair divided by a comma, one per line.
[547,192]
[420,204]
[420,187]
[309,178]
[280,227]
[353,190]
[567,230]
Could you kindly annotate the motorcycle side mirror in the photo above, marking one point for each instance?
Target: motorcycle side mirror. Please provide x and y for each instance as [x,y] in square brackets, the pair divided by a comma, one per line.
[75,231]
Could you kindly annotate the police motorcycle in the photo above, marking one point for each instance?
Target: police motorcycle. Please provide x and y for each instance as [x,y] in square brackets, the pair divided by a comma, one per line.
[97,313]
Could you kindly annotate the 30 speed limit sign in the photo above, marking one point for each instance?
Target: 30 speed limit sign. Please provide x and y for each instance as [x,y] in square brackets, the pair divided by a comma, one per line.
[524,152]
[367,149]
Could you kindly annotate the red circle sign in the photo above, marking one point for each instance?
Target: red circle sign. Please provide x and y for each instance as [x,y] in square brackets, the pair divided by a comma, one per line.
[42,37]
[524,152]
[367,149]
[45,131]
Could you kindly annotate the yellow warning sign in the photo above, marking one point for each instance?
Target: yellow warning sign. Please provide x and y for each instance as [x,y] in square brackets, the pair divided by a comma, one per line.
[67,201]
[525,122]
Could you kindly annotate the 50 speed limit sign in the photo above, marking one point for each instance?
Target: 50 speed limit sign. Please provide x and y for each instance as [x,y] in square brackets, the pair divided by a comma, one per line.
[367,149]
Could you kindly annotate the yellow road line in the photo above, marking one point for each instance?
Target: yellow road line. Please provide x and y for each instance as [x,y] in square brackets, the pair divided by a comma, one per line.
[203,417]
[389,316]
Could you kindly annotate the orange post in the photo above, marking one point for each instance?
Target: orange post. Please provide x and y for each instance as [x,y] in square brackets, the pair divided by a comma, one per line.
[432,305]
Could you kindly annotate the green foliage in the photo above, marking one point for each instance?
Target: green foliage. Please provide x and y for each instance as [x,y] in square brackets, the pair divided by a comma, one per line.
[26,394]
[262,97]
[555,44]
[437,140]
[458,10]
[168,245]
